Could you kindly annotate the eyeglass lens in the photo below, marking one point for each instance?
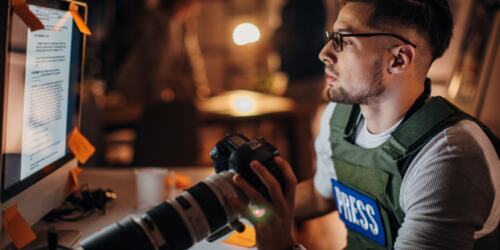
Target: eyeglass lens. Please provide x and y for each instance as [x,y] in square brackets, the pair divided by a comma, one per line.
[336,39]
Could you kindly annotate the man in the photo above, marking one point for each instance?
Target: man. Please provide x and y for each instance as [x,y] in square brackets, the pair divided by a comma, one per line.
[403,170]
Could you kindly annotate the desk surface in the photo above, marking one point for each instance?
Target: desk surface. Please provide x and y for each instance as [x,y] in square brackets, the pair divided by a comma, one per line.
[123,182]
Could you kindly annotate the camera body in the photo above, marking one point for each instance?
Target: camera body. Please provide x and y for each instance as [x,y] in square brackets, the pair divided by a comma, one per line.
[235,152]
[199,212]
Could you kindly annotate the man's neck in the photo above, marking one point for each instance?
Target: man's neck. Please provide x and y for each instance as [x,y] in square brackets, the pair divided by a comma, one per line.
[386,110]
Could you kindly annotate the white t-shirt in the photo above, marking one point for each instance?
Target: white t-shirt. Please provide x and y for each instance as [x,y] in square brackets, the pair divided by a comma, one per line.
[450,193]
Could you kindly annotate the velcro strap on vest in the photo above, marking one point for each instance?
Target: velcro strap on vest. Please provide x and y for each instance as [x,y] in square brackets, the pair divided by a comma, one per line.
[422,126]
[341,117]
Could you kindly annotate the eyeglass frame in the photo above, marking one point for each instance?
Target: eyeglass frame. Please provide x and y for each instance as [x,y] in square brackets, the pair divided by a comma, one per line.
[330,36]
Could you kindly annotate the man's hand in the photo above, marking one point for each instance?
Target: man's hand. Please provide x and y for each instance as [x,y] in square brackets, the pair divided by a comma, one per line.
[273,225]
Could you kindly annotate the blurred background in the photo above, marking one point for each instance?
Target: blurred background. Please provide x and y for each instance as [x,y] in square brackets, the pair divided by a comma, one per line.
[166,79]
[161,75]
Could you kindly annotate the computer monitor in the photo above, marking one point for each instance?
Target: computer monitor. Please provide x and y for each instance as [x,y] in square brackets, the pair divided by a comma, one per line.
[41,76]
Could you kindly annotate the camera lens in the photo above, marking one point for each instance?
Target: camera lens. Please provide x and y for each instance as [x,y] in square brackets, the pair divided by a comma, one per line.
[175,224]
[198,212]
[212,209]
[123,235]
[171,226]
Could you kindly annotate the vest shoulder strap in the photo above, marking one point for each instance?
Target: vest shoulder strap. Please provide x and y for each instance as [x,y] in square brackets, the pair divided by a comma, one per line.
[427,122]
[343,118]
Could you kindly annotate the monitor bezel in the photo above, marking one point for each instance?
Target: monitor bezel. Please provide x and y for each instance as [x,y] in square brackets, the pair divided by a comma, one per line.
[8,193]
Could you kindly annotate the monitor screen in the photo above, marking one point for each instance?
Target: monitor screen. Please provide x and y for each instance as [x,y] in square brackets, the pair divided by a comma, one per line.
[40,95]
[40,104]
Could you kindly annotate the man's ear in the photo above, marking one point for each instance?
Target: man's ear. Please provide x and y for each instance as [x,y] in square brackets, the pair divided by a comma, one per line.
[402,56]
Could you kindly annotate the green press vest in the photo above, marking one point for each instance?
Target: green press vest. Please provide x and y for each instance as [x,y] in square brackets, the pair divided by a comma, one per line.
[377,173]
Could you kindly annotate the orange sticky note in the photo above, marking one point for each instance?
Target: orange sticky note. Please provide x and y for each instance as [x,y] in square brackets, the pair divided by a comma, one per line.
[75,173]
[245,239]
[16,226]
[82,26]
[22,10]
[74,184]
[80,146]
[183,181]
[169,180]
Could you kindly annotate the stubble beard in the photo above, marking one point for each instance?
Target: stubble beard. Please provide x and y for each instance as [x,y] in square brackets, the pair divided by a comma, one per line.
[340,95]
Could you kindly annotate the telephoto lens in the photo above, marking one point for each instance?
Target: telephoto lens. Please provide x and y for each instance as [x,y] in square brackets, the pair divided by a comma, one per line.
[199,212]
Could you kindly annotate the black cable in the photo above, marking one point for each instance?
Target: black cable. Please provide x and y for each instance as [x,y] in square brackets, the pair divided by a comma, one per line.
[82,205]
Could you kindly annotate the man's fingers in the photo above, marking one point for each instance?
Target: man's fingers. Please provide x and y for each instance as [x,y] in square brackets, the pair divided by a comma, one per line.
[271,183]
[244,211]
[258,204]
[249,191]
[290,178]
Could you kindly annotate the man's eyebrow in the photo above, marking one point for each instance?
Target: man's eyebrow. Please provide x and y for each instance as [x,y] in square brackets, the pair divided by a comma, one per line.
[344,30]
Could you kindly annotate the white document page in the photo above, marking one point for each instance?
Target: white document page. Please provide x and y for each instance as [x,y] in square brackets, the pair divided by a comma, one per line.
[46,90]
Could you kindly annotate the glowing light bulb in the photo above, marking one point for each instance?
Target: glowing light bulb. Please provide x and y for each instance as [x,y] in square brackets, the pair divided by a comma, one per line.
[246,33]
[243,104]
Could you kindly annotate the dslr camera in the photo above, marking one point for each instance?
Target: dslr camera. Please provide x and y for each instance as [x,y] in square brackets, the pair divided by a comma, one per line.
[201,211]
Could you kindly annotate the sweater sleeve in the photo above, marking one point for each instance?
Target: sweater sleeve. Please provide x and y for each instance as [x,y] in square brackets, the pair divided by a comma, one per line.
[447,193]
[324,163]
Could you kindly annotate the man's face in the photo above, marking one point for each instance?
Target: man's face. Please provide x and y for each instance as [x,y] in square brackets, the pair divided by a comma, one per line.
[354,75]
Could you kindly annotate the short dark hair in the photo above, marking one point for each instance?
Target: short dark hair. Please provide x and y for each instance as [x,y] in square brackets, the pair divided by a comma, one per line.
[430,18]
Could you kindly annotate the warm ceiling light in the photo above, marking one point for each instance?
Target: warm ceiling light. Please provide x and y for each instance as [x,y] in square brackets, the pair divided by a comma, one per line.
[246,33]
[243,104]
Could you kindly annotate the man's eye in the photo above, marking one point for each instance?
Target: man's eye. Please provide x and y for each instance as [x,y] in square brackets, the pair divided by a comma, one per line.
[347,42]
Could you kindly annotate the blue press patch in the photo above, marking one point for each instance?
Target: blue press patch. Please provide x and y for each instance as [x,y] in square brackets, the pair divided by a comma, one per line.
[359,212]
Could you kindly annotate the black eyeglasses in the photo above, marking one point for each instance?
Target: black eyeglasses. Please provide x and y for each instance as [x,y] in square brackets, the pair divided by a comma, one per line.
[338,38]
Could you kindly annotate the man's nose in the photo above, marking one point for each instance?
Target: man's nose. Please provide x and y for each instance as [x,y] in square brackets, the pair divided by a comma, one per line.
[327,54]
